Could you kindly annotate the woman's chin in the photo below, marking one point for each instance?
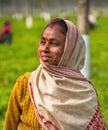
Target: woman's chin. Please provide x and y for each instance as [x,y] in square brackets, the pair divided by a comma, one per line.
[45,64]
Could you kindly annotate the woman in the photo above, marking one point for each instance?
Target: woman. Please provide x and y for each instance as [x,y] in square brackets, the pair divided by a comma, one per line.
[6,32]
[56,96]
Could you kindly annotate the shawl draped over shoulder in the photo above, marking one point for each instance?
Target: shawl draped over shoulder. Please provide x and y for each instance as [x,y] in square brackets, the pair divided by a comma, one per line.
[63,98]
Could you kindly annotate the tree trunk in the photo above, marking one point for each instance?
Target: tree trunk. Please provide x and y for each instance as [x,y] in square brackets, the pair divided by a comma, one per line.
[83,25]
[83,10]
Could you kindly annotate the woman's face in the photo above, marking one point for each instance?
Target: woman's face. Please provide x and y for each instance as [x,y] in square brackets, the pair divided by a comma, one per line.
[51,45]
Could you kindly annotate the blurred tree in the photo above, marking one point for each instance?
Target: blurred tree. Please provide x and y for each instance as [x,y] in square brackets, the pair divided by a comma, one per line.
[16,8]
[29,17]
[83,10]
[83,25]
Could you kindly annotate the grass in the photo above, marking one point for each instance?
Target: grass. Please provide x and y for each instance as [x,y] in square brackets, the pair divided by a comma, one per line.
[99,65]
[21,56]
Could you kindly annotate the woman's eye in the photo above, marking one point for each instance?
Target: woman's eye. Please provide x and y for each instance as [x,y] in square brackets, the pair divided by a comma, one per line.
[54,43]
[42,42]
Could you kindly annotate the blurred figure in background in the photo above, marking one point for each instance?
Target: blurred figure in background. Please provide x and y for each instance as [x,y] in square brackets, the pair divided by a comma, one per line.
[92,18]
[5,34]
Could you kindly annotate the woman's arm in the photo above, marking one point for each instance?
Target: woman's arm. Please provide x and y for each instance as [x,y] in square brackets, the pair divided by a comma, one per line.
[14,109]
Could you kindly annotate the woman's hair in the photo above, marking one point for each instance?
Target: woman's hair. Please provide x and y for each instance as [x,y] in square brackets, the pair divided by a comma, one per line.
[59,22]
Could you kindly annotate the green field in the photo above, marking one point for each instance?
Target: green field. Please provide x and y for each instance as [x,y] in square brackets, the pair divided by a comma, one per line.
[21,56]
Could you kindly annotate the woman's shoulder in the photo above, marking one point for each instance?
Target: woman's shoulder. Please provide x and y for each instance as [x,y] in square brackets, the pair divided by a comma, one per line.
[24,76]
[21,84]
[22,81]
[20,89]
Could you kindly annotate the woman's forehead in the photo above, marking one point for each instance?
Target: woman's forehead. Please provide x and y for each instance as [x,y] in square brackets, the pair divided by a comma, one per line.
[53,32]
[52,29]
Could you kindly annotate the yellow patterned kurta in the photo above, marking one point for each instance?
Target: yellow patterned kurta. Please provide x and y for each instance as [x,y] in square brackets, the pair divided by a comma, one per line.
[20,113]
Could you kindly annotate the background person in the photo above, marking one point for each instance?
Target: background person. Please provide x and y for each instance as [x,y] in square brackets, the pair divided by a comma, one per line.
[93,23]
[6,32]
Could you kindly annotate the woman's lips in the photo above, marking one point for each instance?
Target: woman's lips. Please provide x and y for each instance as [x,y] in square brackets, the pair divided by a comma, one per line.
[45,58]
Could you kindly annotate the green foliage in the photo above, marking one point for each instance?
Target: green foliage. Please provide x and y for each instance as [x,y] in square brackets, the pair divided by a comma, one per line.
[99,65]
[21,56]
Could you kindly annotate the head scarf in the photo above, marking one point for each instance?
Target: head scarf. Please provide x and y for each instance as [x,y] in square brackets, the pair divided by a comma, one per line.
[63,98]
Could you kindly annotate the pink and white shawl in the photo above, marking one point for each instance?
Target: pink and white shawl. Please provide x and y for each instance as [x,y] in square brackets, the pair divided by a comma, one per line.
[62,97]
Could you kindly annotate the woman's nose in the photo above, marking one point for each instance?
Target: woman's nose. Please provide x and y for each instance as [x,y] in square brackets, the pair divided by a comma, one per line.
[46,47]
